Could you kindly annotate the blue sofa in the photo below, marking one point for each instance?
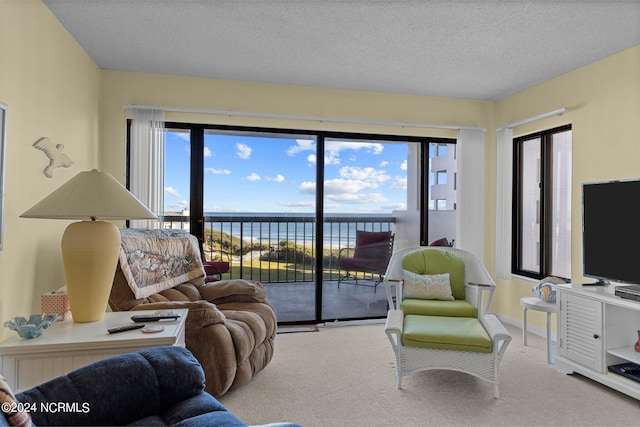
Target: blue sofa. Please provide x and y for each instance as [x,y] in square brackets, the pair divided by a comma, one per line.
[159,386]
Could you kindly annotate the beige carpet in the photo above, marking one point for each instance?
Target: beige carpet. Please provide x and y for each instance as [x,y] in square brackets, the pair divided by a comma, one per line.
[345,376]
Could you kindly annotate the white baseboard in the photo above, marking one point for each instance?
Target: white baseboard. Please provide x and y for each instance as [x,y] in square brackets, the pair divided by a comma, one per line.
[531,329]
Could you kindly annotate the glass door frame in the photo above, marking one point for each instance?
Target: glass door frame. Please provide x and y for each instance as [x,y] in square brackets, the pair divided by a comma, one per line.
[196,199]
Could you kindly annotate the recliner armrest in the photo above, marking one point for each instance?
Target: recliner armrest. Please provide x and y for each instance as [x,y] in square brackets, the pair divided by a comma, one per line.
[201,313]
[233,290]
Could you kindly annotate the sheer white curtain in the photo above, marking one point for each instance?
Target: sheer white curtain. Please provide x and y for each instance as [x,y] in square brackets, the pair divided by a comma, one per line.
[147,163]
[504,198]
[471,191]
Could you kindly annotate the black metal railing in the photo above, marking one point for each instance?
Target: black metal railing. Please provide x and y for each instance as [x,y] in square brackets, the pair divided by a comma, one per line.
[279,248]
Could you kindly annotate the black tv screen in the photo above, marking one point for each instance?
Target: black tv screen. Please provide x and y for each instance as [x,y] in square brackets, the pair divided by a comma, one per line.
[611,231]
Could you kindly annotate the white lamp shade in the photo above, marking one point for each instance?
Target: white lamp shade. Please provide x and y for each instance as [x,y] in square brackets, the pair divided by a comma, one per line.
[90,195]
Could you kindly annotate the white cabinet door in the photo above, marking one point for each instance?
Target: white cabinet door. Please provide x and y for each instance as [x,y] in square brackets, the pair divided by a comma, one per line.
[581,330]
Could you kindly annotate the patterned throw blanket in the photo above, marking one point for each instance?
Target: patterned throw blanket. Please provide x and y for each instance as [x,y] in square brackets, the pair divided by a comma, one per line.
[155,260]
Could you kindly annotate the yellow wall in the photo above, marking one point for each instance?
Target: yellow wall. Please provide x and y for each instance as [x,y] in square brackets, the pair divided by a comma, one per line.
[51,88]
[604,110]
[125,88]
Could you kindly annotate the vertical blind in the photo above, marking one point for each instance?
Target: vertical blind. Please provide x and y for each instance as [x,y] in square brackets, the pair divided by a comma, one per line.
[146,177]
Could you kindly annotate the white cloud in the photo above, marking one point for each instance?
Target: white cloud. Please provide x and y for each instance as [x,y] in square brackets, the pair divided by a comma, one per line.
[331,158]
[301,145]
[253,177]
[337,146]
[403,166]
[178,206]
[307,187]
[308,204]
[400,183]
[243,151]
[172,192]
[366,174]
[185,134]
[207,152]
[277,178]
[345,186]
[384,163]
[333,149]
[217,171]
[358,198]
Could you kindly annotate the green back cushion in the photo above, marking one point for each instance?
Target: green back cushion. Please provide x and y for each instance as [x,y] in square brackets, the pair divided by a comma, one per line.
[446,333]
[436,261]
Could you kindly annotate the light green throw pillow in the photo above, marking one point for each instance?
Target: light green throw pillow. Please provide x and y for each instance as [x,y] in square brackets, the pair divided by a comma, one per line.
[437,261]
[426,286]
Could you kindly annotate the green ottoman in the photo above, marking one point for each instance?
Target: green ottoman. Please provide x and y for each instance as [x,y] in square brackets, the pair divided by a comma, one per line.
[446,333]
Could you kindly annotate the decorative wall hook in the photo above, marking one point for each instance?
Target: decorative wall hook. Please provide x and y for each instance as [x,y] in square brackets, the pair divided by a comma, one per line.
[54,152]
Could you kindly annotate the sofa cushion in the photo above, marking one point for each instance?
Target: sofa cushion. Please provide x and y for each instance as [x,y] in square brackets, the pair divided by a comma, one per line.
[457,308]
[446,333]
[201,410]
[154,379]
[437,261]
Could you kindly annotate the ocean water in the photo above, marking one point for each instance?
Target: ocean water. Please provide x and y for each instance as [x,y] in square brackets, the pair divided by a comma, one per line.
[272,228]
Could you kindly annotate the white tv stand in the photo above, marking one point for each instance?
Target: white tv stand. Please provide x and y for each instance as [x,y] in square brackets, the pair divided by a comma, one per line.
[597,329]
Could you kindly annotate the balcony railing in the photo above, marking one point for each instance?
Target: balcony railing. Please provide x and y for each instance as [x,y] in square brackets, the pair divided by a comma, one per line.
[280,248]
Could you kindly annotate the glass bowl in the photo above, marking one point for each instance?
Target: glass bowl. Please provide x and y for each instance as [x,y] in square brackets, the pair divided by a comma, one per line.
[34,326]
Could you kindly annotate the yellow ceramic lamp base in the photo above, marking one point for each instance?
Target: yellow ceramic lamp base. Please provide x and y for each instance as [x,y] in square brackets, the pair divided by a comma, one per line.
[90,254]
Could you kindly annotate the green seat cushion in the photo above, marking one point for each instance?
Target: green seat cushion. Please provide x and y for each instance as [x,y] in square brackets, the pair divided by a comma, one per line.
[446,333]
[437,261]
[427,307]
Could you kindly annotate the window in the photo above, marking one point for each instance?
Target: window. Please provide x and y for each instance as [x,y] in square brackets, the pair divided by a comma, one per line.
[542,204]
[439,202]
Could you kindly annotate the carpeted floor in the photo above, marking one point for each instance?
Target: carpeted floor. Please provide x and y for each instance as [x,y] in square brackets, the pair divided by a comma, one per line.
[345,376]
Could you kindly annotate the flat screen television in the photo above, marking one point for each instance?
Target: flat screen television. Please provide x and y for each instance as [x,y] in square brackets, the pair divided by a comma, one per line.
[611,231]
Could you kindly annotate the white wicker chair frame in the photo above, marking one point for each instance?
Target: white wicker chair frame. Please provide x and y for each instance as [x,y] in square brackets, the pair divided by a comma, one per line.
[410,360]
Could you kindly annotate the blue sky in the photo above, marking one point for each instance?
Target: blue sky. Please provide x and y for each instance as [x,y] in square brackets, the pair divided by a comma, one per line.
[277,174]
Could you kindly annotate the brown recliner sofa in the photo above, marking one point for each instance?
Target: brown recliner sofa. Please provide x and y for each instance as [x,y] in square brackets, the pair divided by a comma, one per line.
[230,328]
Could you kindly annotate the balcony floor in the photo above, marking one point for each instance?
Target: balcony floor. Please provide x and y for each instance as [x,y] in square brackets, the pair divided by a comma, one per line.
[295,301]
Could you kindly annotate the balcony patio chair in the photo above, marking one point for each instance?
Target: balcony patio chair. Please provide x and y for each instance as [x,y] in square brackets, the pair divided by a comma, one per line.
[370,256]
[438,299]
[216,268]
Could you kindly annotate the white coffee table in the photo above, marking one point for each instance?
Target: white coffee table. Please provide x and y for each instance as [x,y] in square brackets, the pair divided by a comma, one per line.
[535,303]
[66,346]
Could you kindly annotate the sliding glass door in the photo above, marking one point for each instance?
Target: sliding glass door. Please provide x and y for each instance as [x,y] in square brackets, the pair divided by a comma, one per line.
[364,186]
[259,213]
[313,216]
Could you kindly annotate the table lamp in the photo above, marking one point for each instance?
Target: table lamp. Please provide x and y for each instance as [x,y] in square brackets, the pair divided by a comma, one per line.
[90,248]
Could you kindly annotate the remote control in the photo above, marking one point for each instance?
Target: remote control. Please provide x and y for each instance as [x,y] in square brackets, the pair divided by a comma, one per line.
[154,317]
[125,328]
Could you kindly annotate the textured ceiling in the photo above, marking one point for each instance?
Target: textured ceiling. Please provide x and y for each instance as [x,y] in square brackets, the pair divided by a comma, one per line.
[479,49]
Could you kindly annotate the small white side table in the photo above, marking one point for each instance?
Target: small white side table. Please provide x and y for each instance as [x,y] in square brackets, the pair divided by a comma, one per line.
[66,346]
[535,303]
